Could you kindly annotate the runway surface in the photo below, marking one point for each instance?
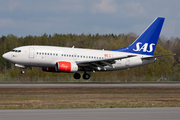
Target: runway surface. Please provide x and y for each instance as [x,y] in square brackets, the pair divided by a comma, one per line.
[93,114]
[89,84]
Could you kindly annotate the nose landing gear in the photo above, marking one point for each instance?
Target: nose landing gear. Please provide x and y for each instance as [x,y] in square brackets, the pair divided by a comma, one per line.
[23,72]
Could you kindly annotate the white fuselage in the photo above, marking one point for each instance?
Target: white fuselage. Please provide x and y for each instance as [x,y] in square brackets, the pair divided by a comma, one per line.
[47,56]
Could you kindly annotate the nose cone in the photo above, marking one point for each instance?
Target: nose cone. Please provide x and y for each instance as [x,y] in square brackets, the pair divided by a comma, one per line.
[5,56]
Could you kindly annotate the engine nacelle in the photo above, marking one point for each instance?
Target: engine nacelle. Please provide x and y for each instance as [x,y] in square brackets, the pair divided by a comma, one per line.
[48,69]
[64,66]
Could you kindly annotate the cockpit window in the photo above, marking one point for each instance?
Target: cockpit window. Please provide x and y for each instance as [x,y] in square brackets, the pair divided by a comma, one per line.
[15,50]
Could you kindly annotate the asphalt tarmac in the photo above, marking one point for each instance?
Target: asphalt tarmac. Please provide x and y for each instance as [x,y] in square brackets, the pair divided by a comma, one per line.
[89,84]
[93,114]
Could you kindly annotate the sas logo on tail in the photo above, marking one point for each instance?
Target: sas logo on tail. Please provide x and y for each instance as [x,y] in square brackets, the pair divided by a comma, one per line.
[144,47]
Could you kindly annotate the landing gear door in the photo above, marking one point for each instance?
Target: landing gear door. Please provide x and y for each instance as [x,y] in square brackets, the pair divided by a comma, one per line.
[31,52]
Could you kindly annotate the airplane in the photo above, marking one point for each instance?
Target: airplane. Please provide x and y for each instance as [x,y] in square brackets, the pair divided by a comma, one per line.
[72,60]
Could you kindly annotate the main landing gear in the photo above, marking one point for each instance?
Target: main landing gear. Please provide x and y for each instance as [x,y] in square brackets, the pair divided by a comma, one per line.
[86,76]
[77,76]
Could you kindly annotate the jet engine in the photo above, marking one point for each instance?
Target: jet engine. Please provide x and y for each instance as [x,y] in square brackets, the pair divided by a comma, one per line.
[64,66]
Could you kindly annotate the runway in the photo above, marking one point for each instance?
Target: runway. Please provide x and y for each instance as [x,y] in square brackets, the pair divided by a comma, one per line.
[93,114]
[89,84]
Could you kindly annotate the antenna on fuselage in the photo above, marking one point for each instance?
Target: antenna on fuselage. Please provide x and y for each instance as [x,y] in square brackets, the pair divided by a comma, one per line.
[72,46]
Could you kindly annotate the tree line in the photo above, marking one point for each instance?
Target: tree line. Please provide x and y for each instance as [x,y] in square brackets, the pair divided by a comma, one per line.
[167,68]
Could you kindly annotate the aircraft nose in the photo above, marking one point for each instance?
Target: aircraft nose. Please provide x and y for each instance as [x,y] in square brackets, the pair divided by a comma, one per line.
[5,55]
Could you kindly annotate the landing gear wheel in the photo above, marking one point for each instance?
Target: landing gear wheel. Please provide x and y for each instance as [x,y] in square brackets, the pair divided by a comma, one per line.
[22,72]
[86,76]
[77,76]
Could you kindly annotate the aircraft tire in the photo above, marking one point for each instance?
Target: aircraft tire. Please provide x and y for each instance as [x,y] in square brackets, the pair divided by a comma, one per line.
[77,76]
[86,76]
[22,72]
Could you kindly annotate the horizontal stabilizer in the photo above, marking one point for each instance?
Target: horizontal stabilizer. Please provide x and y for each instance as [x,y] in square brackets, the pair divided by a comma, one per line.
[158,56]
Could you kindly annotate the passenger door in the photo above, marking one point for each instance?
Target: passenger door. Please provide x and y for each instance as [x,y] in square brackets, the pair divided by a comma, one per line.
[31,52]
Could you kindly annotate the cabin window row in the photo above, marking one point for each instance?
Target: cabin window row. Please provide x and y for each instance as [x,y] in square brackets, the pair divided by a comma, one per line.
[81,56]
[66,55]
[39,53]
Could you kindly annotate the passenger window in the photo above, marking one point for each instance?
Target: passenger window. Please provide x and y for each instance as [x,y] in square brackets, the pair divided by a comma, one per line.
[69,55]
[47,53]
[50,53]
[65,55]
[42,53]
[61,54]
[94,57]
[37,53]
[19,50]
[56,54]
[78,56]
[53,53]
[83,56]
[72,55]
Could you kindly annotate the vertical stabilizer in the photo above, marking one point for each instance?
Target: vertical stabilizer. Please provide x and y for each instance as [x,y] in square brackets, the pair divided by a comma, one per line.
[146,42]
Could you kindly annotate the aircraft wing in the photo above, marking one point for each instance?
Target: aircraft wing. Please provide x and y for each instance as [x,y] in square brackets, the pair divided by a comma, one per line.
[100,63]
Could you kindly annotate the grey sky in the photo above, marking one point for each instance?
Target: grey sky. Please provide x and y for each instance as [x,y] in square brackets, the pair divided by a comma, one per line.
[36,17]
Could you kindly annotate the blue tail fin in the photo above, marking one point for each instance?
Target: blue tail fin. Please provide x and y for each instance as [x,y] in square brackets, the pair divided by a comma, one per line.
[146,43]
